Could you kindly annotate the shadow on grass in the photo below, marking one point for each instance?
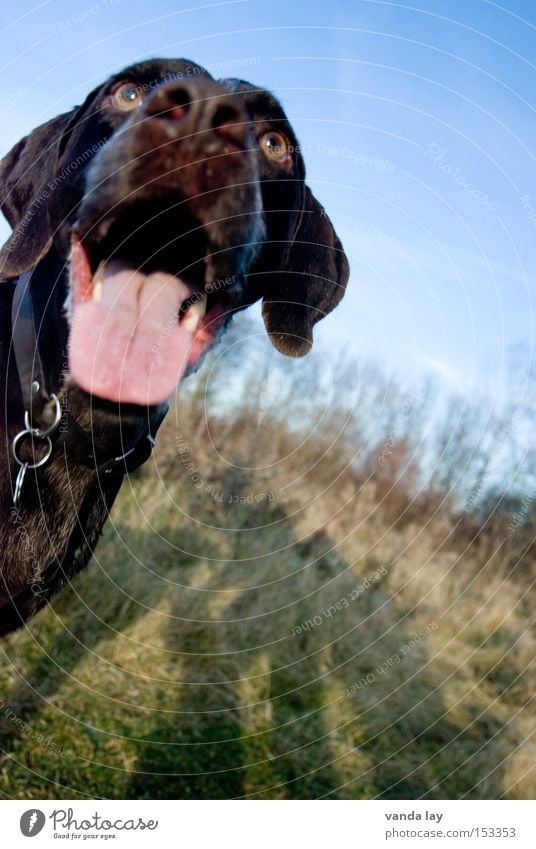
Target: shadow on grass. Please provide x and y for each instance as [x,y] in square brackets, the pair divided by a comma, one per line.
[215,746]
[265,666]
[266,707]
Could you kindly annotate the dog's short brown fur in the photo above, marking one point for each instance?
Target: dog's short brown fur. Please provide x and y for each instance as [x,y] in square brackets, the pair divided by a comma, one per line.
[226,153]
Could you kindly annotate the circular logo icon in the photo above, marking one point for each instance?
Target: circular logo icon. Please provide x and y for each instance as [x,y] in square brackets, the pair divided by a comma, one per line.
[31,822]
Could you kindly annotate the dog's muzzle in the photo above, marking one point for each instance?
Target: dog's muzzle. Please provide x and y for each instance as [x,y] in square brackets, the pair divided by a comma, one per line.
[166,233]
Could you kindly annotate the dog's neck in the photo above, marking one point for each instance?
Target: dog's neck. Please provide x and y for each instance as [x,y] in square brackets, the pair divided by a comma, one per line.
[40,335]
[63,505]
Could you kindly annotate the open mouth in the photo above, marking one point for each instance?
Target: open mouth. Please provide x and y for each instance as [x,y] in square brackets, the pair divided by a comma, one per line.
[140,318]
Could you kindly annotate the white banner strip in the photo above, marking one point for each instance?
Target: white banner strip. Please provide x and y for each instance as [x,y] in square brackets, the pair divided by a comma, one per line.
[270,824]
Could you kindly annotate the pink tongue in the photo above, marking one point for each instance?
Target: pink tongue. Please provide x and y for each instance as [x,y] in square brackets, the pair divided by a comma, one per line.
[129,347]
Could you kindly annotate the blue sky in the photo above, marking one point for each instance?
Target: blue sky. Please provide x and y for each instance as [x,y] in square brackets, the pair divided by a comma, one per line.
[418,120]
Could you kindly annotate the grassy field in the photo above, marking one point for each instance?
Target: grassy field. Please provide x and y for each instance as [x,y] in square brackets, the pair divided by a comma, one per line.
[260,621]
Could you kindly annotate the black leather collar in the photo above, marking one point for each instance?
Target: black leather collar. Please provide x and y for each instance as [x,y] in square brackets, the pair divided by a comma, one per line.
[35,397]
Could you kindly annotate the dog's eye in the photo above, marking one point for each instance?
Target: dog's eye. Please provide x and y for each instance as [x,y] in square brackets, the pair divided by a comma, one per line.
[126,96]
[276,148]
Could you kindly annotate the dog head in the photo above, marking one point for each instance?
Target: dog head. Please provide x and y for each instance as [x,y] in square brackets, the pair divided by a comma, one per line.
[174,201]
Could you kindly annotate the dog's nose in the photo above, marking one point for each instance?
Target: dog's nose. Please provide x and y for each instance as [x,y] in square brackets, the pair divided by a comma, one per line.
[199,107]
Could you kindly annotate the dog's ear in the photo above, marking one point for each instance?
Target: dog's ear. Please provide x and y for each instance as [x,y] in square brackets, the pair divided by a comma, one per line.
[25,173]
[309,283]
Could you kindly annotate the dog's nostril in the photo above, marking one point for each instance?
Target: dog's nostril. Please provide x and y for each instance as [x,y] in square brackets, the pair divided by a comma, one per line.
[229,124]
[170,104]
[179,97]
[223,115]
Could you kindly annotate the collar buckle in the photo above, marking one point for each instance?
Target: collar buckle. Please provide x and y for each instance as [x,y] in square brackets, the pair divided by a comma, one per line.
[35,434]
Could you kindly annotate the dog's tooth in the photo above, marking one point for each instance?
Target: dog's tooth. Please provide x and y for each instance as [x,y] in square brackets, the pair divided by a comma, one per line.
[96,292]
[194,314]
[96,289]
[99,274]
[104,226]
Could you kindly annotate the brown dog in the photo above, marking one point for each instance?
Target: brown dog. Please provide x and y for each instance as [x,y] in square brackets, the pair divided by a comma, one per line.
[142,221]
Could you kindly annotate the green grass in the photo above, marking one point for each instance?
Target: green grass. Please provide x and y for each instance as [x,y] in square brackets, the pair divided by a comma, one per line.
[174,667]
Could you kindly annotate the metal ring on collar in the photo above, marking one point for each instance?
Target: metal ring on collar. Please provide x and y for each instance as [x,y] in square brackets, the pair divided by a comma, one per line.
[44,459]
[44,433]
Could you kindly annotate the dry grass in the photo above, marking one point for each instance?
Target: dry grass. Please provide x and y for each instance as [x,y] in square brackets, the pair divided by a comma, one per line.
[180,664]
